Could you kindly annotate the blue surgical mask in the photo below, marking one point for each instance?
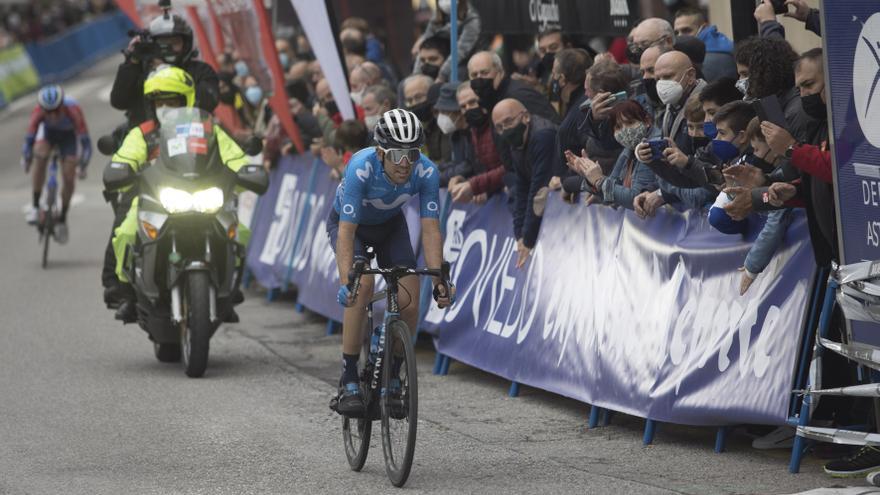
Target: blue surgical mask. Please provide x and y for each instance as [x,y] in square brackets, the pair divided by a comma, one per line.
[241,69]
[709,130]
[285,60]
[724,150]
[253,94]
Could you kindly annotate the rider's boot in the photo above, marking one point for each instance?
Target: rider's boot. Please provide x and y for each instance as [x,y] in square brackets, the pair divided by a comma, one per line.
[350,401]
[127,312]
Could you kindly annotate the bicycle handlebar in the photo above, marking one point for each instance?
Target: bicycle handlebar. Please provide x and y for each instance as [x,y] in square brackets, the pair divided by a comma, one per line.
[360,268]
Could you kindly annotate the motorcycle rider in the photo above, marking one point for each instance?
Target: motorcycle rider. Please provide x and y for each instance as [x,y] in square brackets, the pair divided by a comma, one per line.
[172,87]
[172,43]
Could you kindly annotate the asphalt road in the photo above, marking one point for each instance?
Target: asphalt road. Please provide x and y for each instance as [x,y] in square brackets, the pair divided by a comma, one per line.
[86,409]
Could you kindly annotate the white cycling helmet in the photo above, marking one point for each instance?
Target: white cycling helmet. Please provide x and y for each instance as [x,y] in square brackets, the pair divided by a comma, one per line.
[399,128]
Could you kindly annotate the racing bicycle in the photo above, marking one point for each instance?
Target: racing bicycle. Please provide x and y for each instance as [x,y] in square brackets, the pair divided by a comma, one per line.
[389,378]
[48,208]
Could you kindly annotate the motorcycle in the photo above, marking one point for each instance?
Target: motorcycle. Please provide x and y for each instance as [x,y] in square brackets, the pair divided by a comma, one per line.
[186,265]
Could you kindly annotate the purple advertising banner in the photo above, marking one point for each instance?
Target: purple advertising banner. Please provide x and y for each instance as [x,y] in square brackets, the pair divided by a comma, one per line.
[642,317]
[639,317]
[276,219]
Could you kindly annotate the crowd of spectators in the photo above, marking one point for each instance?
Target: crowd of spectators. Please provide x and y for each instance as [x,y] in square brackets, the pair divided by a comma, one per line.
[685,119]
[37,20]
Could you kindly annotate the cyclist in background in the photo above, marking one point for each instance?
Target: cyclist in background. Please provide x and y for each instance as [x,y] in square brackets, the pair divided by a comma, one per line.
[56,122]
[378,182]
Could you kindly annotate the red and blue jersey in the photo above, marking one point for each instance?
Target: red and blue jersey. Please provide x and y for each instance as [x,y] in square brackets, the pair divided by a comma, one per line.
[69,118]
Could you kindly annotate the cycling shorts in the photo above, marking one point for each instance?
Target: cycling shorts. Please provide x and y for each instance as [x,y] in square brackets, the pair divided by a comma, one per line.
[64,141]
[389,240]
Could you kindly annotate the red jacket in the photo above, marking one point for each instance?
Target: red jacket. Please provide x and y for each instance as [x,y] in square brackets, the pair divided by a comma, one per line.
[814,160]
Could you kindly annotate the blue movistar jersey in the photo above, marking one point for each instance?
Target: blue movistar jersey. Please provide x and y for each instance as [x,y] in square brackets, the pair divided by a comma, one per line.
[367,197]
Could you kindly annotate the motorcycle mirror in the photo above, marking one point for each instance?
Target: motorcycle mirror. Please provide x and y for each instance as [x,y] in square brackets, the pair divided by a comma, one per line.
[253,178]
[253,146]
[119,175]
[107,145]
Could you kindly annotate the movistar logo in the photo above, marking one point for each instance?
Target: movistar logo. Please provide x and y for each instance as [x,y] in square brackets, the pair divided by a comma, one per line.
[424,171]
[364,173]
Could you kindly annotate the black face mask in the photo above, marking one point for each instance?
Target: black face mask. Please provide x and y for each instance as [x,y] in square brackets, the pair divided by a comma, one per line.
[422,111]
[634,53]
[700,141]
[331,108]
[761,163]
[431,71]
[546,64]
[555,90]
[358,47]
[515,136]
[227,97]
[476,118]
[814,107]
[651,90]
[483,87]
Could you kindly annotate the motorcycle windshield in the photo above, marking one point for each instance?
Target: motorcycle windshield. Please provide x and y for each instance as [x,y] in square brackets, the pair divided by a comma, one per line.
[188,143]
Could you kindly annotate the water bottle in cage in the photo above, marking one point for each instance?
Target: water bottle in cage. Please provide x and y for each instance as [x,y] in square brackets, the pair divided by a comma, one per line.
[374,344]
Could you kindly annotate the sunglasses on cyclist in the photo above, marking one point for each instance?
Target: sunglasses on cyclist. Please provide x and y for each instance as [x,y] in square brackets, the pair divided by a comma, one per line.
[397,155]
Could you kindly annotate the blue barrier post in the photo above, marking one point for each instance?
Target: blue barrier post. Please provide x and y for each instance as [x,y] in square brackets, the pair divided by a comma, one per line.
[331,327]
[721,439]
[299,308]
[246,279]
[819,281]
[272,294]
[650,429]
[513,391]
[606,416]
[444,368]
[303,221]
[800,443]
[438,363]
[594,417]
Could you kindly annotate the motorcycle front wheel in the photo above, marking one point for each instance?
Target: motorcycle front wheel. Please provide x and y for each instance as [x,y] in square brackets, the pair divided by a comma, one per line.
[195,330]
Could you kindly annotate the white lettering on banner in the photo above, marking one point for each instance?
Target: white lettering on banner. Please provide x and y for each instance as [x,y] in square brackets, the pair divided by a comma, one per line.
[618,7]
[544,13]
[688,336]
[301,257]
[495,260]
[866,69]
[279,240]
[874,233]
[871,192]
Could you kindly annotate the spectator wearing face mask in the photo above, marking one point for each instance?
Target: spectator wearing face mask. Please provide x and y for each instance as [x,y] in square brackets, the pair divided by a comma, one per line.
[718,61]
[766,68]
[431,57]
[676,82]
[532,140]
[550,41]
[629,177]
[653,31]
[254,107]
[492,84]
[453,125]
[285,54]
[648,82]
[374,51]
[378,99]
[489,171]
[420,96]
[362,77]
[468,33]
[567,82]
[603,81]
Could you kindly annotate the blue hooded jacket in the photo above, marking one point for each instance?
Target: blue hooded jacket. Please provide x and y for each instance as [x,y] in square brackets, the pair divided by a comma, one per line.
[715,41]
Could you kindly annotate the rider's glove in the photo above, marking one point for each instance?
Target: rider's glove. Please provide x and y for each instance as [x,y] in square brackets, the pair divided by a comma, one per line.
[449,291]
[86,144]
[343,297]
[27,152]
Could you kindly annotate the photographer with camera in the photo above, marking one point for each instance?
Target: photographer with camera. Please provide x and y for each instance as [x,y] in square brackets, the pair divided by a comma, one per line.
[169,40]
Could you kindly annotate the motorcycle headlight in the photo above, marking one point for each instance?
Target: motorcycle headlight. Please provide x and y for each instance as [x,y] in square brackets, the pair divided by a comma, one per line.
[175,200]
[208,200]
[179,201]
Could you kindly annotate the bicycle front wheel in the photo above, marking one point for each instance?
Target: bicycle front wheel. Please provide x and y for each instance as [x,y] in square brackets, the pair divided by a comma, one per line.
[399,402]
[48,232]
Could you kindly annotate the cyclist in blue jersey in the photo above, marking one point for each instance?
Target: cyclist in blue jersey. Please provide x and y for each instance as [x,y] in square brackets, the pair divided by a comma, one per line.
[367,213]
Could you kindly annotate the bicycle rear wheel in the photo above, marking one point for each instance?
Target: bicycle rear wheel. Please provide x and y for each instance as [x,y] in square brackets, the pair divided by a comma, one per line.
[399,404]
